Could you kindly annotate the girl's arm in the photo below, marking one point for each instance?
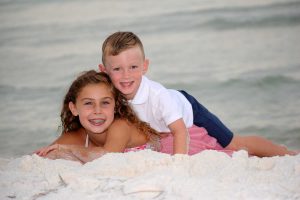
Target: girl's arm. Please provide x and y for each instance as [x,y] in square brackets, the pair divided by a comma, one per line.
[180,135]
[69,138]
[74,138]
[71,152]
[66,155]
[117,139]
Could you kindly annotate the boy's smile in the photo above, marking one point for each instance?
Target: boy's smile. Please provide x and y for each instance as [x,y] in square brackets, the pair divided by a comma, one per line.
[126,70]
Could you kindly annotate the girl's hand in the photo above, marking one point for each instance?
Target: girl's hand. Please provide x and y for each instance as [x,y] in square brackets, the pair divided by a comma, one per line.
[62,154]
[57,151]
[71,152]
[45,150]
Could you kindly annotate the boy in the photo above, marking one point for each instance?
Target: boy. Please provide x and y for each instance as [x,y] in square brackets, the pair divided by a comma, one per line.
[166,110]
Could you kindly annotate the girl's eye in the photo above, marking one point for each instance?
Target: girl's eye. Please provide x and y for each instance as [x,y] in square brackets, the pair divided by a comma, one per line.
[105,102]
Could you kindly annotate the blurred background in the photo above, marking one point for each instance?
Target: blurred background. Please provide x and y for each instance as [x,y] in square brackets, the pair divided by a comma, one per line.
[241,59]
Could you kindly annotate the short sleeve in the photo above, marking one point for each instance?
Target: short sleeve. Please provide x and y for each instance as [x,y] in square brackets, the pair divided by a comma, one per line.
[167,107]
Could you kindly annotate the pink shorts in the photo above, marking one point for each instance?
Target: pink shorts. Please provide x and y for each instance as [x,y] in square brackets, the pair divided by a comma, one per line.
[199,141]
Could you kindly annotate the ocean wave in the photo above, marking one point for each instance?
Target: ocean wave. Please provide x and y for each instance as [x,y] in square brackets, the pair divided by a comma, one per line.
[221,18]
[15,93]
[266,81]
[272,129]
[280,14]
[5,87]
[271,81]
[225,23]
[258,16]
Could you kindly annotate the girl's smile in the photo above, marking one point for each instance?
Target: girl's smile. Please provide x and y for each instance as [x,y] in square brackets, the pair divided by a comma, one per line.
[95,107]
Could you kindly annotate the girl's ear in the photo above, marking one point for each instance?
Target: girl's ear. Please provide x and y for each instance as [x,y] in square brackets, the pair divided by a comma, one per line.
[73,109]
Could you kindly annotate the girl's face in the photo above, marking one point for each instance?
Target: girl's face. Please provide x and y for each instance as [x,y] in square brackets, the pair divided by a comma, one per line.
[95,107]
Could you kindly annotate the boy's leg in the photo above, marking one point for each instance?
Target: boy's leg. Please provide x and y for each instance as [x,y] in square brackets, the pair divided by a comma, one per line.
[255,145]
[204,118]
[258,146]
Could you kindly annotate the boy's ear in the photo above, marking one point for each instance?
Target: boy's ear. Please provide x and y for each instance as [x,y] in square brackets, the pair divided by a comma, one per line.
[73,109]
[145,66]
[101,68]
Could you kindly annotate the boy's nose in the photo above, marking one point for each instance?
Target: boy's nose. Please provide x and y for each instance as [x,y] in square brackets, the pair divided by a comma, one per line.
[126,73]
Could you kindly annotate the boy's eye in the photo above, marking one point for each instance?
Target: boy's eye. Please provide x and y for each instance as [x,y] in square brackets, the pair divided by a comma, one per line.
[116,69]
[134,67]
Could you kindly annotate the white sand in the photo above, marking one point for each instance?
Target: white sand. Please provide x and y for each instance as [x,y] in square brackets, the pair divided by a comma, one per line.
[147,175]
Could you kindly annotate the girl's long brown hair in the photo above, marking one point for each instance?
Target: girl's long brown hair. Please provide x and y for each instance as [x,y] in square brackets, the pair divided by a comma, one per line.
[122,108]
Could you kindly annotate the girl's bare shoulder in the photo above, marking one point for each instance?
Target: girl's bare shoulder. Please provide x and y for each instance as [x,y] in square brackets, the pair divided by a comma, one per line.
[120,124]
[118,136]
[72,137]
[123,128]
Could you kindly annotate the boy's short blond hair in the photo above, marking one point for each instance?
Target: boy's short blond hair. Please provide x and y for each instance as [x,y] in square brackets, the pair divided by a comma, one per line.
[118,42]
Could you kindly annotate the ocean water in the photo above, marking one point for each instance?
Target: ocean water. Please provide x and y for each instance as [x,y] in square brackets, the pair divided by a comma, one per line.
[241,59]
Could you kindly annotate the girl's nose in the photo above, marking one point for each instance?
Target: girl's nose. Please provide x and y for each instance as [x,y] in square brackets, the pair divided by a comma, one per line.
[97,109]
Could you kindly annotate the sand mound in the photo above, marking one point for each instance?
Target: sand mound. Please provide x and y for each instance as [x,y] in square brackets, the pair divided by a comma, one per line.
[147,175]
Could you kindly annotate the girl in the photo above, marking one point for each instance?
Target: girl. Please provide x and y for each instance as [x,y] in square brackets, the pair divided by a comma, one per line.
[96,115]
[97,119]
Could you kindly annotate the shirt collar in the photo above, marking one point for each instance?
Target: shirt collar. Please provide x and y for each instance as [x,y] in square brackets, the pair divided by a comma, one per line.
[143,92]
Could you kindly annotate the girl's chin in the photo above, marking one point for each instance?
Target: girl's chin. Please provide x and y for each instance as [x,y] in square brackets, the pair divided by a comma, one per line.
[96,131]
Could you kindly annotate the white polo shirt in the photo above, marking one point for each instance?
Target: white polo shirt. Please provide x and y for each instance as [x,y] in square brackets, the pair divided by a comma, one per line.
[159,106]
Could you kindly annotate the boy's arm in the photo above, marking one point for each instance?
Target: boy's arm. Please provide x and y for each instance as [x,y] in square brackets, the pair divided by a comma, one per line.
[180,135]
[258,146]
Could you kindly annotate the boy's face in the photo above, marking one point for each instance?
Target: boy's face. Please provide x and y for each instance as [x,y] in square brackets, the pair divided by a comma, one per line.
[126,70]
